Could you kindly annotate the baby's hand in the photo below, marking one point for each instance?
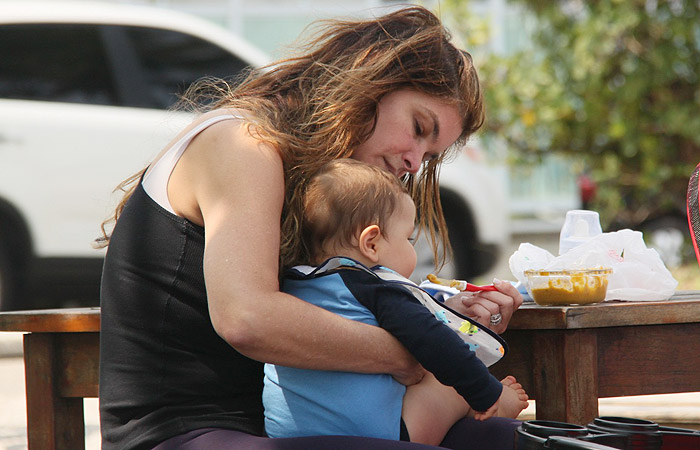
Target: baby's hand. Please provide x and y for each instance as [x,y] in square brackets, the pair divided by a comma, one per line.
[483,415]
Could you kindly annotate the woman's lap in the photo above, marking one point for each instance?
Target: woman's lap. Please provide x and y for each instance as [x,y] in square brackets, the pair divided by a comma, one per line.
[467,434]
[495,433]
[229,440]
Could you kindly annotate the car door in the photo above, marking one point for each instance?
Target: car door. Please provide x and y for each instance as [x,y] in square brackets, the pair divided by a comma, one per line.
[67,136]
[82,107]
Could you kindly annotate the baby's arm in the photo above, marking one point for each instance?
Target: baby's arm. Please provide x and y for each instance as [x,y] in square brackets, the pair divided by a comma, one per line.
[431,407]
[439,349]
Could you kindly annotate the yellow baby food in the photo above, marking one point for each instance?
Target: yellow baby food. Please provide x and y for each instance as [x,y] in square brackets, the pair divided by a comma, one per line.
[569,287]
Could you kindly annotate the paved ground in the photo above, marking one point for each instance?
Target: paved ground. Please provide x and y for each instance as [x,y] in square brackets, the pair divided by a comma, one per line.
[676,409]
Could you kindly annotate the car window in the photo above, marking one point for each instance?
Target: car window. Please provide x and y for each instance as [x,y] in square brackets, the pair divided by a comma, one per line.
[54,62]
[170,61]
[106,64]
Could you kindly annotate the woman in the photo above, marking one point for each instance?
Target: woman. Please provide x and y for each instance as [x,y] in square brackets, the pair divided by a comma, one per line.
[191,305]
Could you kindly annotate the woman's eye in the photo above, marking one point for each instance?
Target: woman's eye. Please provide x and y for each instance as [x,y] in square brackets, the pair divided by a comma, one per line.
[418,128]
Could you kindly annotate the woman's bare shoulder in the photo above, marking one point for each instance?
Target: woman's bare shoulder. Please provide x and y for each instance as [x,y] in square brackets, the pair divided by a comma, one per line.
[224,162]
[234,141]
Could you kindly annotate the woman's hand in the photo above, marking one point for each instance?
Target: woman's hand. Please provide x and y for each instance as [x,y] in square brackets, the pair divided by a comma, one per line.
[485,305]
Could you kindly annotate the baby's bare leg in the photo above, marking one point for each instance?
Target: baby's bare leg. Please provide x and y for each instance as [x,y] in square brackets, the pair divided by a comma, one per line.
[430,409]
[513,398]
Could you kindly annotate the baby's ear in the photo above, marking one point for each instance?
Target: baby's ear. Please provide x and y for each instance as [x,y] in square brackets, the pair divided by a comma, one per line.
[369,238]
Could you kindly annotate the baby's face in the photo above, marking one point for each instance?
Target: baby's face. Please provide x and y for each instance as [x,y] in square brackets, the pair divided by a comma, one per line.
[396,249]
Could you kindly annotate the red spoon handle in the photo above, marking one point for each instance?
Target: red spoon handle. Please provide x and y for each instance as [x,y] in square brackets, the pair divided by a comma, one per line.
[475,288]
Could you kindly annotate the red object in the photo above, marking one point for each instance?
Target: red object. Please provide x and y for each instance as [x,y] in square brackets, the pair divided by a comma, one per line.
[475,288]
[693,203]
[587,188]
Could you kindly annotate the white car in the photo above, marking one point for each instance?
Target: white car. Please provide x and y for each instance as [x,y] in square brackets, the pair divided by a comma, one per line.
[85,92]
[475,203]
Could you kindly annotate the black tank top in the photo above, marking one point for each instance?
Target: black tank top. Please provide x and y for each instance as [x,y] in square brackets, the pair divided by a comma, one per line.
[163,369]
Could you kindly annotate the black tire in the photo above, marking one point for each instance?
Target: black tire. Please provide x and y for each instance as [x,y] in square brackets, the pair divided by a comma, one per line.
[455,267]
[470,258]
[10,282]
[462,240]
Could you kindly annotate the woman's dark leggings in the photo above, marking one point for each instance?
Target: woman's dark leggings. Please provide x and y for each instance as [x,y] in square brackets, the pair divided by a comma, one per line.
[467,434]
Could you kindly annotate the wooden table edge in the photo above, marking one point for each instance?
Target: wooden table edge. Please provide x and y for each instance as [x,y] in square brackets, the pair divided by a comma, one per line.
[682,307]
[68,320]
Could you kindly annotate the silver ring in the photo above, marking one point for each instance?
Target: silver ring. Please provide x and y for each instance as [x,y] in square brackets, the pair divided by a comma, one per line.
[496,319]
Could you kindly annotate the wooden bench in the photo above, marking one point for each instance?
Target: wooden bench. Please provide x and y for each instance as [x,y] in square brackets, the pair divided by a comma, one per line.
[566,358]
[61,361]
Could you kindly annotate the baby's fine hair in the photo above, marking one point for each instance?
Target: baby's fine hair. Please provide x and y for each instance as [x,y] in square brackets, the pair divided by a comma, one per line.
[344,197]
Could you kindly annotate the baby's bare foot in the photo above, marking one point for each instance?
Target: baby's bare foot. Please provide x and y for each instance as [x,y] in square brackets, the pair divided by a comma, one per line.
[509,380]
[513,398]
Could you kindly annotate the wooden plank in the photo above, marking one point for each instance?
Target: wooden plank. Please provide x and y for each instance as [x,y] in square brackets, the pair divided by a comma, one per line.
[653,359]
[53,422]
[531,316]
[52,320]
[518,360]
[615,314]
[684,307]
[78,362]
[565,375]
[41,412]
[581,375]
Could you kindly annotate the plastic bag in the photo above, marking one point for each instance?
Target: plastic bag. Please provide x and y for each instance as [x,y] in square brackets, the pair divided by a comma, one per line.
[638,271]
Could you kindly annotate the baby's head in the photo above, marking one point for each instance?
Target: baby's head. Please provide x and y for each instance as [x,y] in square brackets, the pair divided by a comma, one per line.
[361,211]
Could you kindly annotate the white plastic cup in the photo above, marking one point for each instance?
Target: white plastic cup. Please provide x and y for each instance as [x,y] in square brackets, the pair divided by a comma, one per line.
[579,226]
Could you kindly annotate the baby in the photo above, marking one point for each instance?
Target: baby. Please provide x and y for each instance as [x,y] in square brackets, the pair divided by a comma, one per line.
[359,217]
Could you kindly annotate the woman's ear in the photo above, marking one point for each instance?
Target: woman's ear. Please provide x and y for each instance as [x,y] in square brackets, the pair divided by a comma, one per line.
[368,242]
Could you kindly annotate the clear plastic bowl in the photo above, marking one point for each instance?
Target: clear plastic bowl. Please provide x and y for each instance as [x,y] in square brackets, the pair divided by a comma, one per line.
[568,287]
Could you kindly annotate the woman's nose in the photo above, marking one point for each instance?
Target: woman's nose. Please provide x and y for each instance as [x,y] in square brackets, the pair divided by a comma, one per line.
[412,160]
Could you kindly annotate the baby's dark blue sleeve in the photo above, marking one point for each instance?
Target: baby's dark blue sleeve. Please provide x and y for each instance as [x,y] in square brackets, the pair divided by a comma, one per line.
[439,349]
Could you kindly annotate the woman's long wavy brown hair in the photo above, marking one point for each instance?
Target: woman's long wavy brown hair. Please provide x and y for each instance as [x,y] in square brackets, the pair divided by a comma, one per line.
[320,105]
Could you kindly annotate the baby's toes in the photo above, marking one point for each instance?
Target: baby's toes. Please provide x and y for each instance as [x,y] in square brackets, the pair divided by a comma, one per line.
[509,380]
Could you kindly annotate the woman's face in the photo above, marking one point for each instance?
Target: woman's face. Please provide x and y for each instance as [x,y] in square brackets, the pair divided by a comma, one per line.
[412,127]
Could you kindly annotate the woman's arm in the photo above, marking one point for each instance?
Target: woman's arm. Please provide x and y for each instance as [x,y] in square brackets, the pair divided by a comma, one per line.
[234,186]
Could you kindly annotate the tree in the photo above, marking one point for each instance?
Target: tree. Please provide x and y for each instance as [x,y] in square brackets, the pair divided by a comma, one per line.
[612,83]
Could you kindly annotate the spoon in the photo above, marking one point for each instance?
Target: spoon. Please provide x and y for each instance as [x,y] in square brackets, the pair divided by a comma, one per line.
[460,284]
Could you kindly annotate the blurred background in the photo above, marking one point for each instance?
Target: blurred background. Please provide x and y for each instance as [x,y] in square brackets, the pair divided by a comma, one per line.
[590,105]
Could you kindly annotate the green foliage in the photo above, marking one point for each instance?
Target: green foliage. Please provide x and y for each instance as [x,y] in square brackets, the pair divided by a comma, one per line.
[612,83]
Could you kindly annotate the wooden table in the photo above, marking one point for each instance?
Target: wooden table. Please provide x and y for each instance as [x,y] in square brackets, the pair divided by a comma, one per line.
[567,357]
[61,361]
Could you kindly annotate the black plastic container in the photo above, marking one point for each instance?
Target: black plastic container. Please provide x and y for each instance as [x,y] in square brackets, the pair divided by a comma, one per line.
[680,438]
[565,443]
[604,433]
[533,434]
[641,434]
